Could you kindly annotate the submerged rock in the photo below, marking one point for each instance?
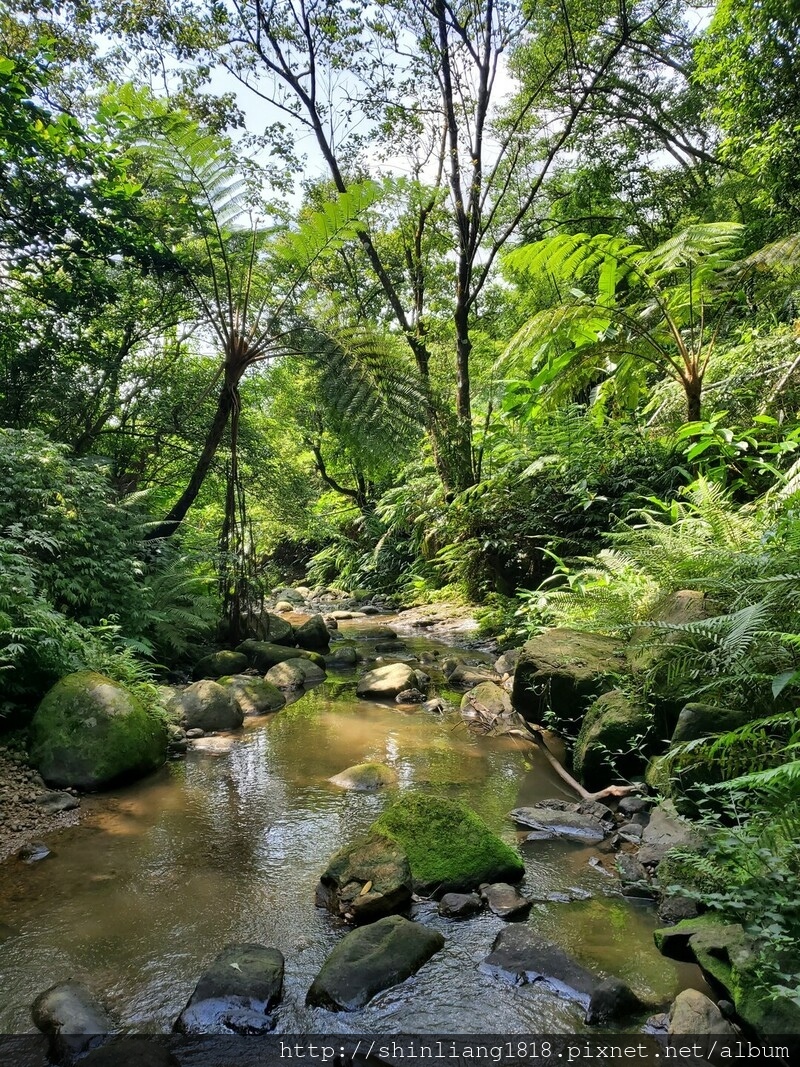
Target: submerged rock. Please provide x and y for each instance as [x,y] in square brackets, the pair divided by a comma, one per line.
[33,852]
[255,696]
[366,777]
[208,706]
[370,959]
[366,880]
[236,993]
[384,683]
[519,955]
[73,1020]
[449,847]
[90,732]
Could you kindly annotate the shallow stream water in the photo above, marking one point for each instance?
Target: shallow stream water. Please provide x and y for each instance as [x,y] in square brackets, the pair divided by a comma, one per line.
[228,844]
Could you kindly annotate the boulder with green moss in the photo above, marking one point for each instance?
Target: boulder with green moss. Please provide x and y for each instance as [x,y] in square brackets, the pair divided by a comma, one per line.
[730,961]
[90,732]
[208,706]
[313,634]
[255,696]
[706,720]
[609,742]
[220,664]
[562,671]
[449,847]
[366,777]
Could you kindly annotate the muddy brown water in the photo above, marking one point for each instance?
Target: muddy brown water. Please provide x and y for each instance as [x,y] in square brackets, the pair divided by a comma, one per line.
[228,844]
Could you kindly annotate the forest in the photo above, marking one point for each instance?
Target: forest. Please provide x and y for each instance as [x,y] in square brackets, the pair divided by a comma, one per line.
[453,341]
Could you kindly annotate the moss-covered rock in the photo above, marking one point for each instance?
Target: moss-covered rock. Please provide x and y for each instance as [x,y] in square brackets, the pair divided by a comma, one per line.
[255,696]
[448,847]
[219,664]
[208,706]
[705,720]
[265,654]
[313,634]
[366,880]
[90,732]
[609,740]
[561,671]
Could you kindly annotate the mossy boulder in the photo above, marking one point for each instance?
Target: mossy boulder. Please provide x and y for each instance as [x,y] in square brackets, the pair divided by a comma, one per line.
[90,732]
[366,777]
[312,672]
[370,959]
[449,847]
[219,664]
[706,720]
[609,742]
[208,706]
[265,654]
[366,880]
[272,628]
[729,959]
[313,634]
[255,696]
[562,671]
[286,676]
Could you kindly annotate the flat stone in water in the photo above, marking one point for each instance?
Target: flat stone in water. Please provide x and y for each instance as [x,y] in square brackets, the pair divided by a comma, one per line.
[34,852]
[55,801]
[370,959]
[519,955]
[549,822]
[460,905]
[505,900]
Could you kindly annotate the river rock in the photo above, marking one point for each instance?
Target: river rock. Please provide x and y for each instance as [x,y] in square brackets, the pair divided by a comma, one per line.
[384,683]
[312,673]
[265,654]
[505,900]
[694,1013]
[255,696]
[370,959]
[366,880]
[33,852]
[464,677]
[286,676]
[487,709]
[366,777]
[313,634]
[460,905]
[559,818]
[54,801]
[666,830]
[236,993]
[219,664]
[507,663]
[72,1018]
[562,671]
[209,706]
[131,1052]
[376,633]
[610,741]
[89,732]
[633,877]
[704,720]
[273,629]
[449,848]
[410,696]
[288,592]
[343,656]
[520,955]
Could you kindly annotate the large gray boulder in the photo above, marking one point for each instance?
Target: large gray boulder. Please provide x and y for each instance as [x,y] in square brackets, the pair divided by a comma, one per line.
[366,880]
[384,683]
[90,732]
[73,1020]
[313,634]
[236,993]
[561,671]
[370,959]
[273,629]
[255,696]
[208,706]
[520,955]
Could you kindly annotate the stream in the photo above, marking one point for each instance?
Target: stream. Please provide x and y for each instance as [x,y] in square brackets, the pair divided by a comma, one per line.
[228,844]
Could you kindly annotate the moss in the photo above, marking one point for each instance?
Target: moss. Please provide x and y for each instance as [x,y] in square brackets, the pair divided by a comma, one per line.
[448,847]
[613,724]
[90,732]
[255,696]
[219,664]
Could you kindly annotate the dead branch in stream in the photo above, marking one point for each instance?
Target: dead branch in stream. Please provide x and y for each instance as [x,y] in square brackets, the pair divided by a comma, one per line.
[485,720]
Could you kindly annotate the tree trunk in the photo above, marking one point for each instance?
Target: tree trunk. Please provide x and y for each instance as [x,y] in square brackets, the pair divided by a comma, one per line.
[693,388]
[227,400]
